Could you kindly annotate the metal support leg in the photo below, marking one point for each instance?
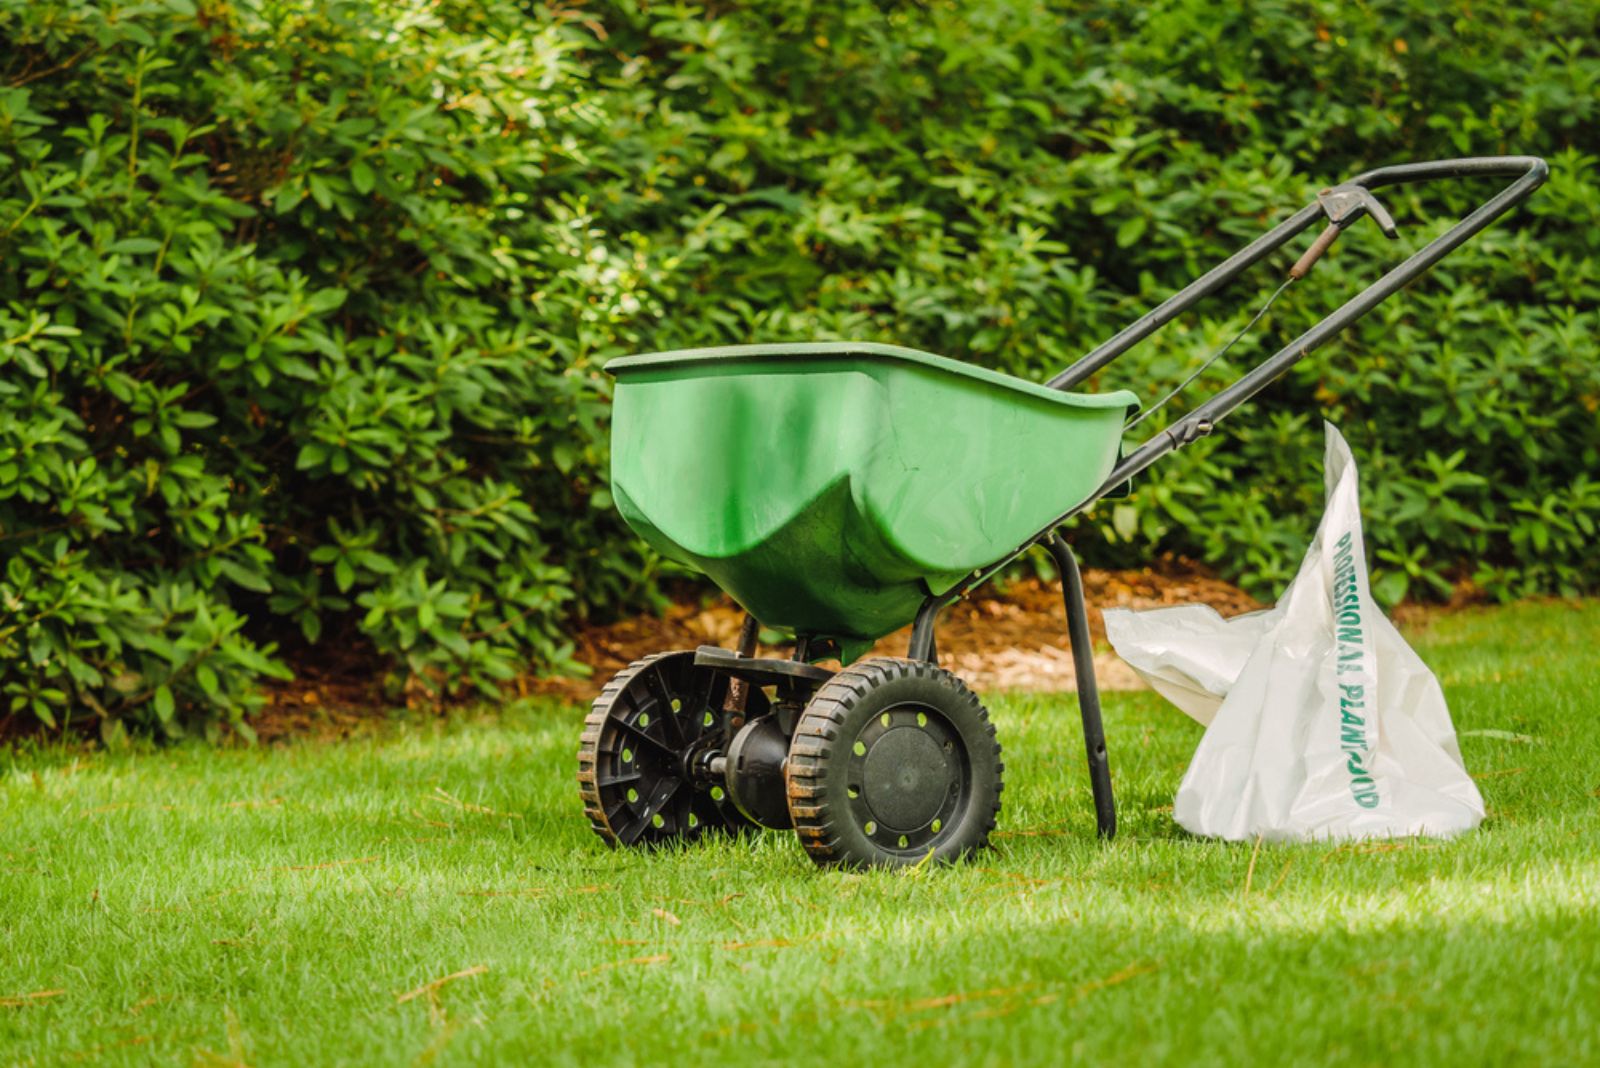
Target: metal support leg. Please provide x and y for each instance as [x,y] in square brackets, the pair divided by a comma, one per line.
[924,644]
[739,689]
[749,631]
[1094,735]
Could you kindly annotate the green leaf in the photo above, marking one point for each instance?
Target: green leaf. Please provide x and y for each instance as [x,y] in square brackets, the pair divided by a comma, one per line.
[1131,230]
[286,196]
[113,735]
[135,246]
[326,300]
[1125,520]
[361,176]
[1389,587]
[164,704]
[249,578]
[320,191]
[207,678]
[453,641]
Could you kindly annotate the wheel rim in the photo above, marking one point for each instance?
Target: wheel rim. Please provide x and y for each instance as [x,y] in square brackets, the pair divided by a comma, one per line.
[644,734]
[907,778]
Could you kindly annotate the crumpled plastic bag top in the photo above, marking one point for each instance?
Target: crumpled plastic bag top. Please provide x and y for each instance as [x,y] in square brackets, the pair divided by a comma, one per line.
[1321,722]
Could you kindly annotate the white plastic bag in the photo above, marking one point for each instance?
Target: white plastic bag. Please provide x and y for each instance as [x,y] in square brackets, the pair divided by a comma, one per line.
[1321,721]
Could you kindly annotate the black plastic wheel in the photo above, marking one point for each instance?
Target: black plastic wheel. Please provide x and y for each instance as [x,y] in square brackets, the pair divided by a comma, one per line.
[893,760]
[645,730]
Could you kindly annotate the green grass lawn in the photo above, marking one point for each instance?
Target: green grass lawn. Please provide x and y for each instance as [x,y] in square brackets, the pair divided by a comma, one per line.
[433,895]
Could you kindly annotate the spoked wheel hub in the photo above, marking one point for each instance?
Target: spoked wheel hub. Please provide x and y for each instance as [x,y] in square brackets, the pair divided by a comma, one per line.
[907,772]
[893,761]
[642,759]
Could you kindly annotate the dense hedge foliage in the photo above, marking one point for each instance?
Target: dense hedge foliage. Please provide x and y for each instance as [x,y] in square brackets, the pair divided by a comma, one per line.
[303,302]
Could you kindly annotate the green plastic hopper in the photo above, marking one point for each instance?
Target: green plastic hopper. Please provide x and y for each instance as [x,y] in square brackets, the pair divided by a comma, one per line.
[829,488]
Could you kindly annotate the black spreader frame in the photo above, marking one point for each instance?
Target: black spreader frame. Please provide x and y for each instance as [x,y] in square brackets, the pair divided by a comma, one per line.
[1340,206]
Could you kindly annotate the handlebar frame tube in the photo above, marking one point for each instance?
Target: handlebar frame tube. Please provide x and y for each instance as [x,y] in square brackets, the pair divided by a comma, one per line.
[1530,172]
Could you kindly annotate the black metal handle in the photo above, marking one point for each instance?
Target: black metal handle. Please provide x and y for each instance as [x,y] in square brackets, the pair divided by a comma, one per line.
[1530,171]
[1343,204]
[1466,167]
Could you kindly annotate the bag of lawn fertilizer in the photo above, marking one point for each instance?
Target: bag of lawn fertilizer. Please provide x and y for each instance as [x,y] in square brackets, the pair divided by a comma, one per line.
[1321,722]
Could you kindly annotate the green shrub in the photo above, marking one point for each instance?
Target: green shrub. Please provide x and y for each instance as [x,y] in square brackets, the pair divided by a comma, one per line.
[1011,182]
[303,303]
[296,330]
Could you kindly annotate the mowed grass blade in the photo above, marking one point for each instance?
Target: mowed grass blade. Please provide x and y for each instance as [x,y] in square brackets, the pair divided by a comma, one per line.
[434,895]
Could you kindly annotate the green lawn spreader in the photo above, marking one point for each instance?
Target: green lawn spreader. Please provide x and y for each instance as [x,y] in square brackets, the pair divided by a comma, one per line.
[841,491]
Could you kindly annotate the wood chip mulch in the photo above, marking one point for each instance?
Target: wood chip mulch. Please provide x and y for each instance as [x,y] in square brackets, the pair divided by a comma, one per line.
[998,639]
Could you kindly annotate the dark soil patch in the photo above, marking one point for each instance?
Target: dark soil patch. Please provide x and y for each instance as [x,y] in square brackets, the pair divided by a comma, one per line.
[1002,637]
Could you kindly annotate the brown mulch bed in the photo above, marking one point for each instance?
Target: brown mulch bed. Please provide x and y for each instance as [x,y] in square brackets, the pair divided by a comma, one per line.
[1001,638]
[1010,638]
[329,696]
